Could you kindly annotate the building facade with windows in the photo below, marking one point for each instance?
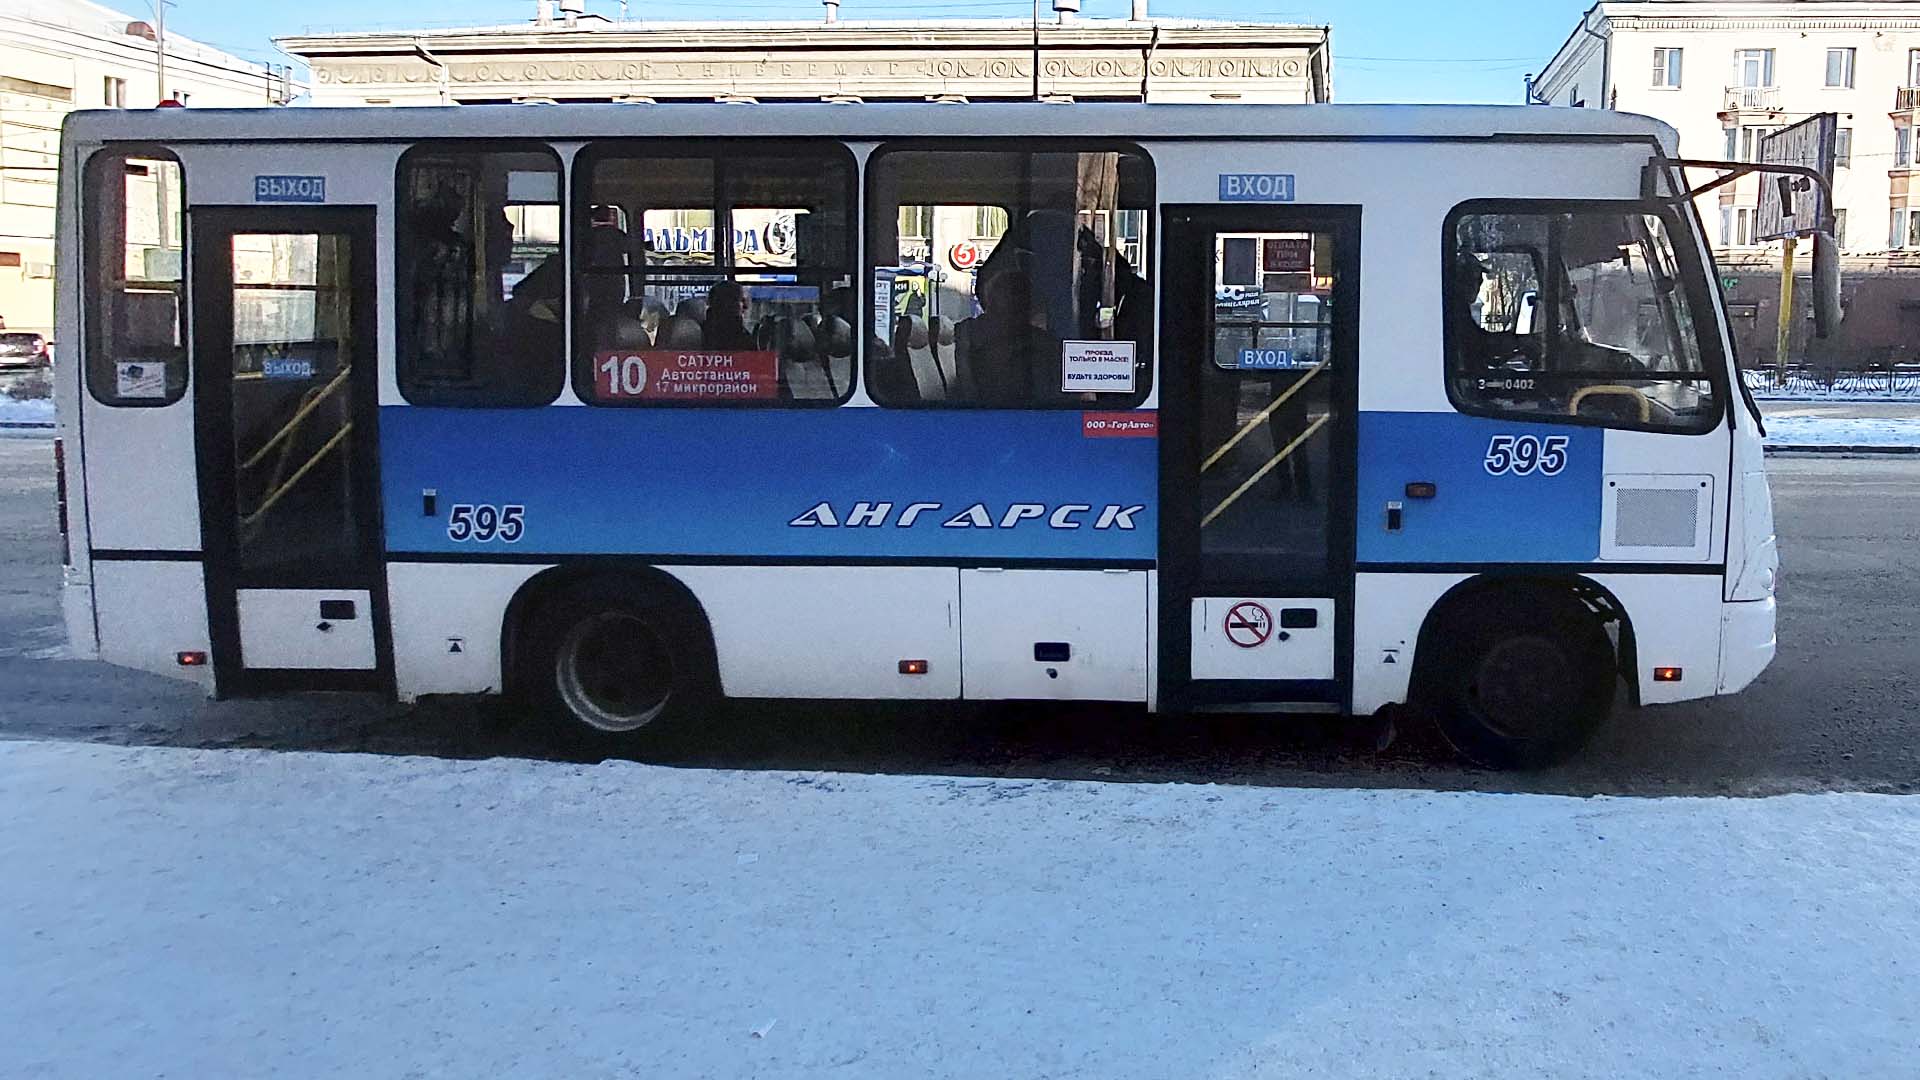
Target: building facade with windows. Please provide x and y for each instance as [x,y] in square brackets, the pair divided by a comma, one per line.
[57,56]
[1726,73]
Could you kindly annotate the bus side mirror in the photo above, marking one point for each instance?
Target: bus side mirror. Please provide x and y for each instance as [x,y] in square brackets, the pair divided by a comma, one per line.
[1826,285]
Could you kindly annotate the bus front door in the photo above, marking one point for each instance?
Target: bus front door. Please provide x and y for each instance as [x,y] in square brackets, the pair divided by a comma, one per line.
[1259,339]
[286,396]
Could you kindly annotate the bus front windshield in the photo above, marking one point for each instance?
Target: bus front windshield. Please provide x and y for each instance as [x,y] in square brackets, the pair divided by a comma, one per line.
[1581,313]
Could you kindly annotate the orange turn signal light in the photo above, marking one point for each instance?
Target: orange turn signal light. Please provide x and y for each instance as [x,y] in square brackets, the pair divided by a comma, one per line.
[913,667]
[1666,674]
[191,659]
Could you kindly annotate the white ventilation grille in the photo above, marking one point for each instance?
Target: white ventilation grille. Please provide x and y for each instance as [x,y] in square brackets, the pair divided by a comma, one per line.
[1657,518]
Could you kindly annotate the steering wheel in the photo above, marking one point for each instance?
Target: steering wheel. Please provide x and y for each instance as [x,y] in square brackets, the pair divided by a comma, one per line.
[1644,404]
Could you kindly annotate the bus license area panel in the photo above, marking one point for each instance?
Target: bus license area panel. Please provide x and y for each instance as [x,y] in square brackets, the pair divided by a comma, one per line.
[1582,390]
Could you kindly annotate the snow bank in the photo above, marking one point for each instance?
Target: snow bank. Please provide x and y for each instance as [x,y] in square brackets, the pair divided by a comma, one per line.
[1885,433]
[17,411]
[200,913]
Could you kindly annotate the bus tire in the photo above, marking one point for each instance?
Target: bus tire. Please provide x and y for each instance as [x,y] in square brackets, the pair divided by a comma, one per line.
[1521,682]
[614,665]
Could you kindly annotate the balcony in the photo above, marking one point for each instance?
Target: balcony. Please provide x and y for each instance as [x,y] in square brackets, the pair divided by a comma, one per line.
[1906,99]
[1752,99]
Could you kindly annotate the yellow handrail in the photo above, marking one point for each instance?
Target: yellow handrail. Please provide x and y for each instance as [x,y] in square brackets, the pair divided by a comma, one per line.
[1264,470]
[268,503]
[304,411]
[1262,415]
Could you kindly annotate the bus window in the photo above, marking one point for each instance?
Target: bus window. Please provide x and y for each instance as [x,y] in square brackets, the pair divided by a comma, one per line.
[134,330]
[1574,314]
[1022,284]
[714,277]
[482,305]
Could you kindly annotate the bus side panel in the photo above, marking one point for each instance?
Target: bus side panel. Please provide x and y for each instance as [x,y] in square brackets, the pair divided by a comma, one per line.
[149,613]
[766,484]
[831,631]
[1388,611]
[76,593]
[1676,624]
[447,619]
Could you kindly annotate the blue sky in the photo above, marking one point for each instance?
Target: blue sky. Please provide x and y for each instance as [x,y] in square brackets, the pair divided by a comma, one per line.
[1384,50]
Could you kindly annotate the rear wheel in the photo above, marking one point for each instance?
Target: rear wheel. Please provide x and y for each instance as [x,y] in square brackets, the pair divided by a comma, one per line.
[614,666]
[1520,682]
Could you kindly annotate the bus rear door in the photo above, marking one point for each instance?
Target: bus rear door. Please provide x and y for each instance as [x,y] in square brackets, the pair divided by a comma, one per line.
[286,397]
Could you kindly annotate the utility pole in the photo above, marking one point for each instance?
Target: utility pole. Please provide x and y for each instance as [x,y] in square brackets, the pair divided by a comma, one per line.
[1783,342]
[160,46]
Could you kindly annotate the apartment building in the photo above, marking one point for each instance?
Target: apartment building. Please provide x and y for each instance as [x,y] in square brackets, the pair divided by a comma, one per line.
[60,55]
[1725,73]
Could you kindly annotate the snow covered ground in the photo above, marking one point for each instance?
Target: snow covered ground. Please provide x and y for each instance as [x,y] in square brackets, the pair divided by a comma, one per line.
[1882,433]
[16,411]
[248,913]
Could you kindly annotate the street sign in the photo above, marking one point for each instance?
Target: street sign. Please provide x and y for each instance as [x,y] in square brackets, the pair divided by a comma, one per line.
[1809,143]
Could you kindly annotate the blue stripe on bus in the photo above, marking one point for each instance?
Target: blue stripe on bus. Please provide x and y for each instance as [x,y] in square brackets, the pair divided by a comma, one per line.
[772,483]
[1477,515]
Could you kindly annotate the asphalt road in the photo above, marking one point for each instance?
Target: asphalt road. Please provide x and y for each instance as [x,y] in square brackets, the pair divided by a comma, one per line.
[1839,709]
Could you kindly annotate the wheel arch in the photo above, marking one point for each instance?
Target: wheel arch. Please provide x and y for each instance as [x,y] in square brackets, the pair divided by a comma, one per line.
[1577,591]
[626,577]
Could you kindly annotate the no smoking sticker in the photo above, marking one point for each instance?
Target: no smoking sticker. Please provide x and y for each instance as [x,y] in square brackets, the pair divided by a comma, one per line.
[1249,625]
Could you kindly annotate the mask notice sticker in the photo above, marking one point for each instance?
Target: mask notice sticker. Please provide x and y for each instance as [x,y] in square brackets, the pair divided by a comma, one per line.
[140,380]
[1099,367]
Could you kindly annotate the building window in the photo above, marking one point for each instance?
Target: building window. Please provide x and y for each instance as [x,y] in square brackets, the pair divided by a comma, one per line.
[1057,283]
[1840,68]
[181,96]
[1902,147]
[916,222]
[1753,140]
[482,297]
[113,93]
[1736,226]
[1843,148]
[1583,315]
[990,222]
[1574,100]
[11,85]
[1913,67]
[1840,228]
[134,329]
[736,286]
[1753,67]
[1906,229]
[1733,145]
[1666,69]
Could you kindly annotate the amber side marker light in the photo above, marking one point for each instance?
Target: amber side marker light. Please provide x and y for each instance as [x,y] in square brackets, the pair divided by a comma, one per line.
[913,667]
[1666,674]
[191,659]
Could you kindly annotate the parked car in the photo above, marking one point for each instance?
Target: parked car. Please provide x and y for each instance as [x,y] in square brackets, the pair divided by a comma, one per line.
[22,350]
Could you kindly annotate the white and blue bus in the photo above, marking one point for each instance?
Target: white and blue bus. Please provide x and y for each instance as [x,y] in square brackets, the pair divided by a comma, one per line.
[625,408]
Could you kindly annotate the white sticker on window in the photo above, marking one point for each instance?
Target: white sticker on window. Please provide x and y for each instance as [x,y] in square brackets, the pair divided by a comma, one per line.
[140,380]
[883,305]
[1101,367]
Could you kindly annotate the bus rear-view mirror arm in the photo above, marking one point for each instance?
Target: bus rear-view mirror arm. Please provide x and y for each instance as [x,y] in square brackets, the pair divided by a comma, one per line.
[1827,311]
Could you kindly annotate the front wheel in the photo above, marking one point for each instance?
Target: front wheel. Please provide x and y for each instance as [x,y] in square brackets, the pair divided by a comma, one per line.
[614,666]
[1520,683]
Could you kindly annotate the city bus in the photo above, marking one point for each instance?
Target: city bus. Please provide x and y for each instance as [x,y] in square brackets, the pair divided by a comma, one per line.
[623,409]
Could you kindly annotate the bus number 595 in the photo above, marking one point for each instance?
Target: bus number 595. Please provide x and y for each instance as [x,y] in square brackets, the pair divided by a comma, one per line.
[485,523]
[1523,455]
